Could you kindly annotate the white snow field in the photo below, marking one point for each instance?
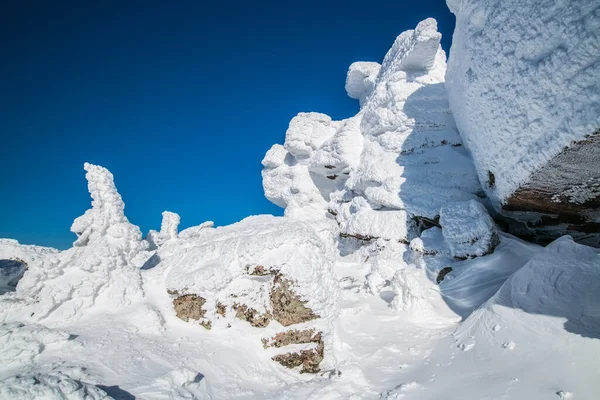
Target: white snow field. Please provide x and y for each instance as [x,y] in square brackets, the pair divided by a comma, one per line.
[386,278]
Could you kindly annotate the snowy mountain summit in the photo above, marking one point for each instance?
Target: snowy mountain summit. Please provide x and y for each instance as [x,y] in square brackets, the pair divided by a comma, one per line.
[390,275]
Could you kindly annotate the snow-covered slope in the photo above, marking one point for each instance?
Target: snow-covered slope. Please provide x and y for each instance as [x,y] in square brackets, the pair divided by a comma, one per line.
[386,278]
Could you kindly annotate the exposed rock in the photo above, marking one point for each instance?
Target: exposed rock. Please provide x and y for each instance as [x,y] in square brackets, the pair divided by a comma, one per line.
[251,315]
[189,306]
[442,274]
[221,309]
[288,308]
[259,270]
[561,198]
[308,359]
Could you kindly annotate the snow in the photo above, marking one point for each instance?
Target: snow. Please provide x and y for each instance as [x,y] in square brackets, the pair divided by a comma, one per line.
[468,229]
[386,251]
[522,82]
[400,157]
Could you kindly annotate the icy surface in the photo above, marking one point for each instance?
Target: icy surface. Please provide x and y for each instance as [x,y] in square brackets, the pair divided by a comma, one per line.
[523,83]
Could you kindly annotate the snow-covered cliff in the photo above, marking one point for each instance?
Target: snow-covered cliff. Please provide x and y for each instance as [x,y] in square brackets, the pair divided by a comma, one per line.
[523,83]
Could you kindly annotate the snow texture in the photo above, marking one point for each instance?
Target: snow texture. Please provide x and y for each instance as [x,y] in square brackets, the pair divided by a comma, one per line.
[468,229]
[523,82]
[168,230]
[400,157]
[40,386]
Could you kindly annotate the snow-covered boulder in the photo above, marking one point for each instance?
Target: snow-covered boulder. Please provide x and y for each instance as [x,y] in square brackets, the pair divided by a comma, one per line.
[468,229]
[270,272]
[398,160]
[523,81]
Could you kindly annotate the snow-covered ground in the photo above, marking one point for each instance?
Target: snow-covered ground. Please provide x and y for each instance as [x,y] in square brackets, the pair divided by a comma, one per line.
[386,278]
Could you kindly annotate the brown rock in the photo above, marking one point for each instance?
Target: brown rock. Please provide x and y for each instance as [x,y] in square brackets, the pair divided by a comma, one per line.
[309,360]
[288,308]
[189,306]
[251,315]
[221,309]
[562,197]
[259,270]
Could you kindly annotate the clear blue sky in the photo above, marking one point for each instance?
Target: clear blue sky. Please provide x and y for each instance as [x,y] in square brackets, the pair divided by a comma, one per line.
[179,99]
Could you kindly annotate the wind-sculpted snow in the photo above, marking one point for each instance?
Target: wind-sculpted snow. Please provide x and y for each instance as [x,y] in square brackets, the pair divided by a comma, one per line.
[400,157]
[99,268]
[523,83]
[55,386]
[168,230]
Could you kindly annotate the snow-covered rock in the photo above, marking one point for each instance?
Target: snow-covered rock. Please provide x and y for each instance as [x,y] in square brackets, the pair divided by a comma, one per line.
[261,269]
[398,159]
[523,81]
[468,229]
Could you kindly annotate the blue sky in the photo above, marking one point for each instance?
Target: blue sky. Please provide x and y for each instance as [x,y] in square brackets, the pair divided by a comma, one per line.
[180,100]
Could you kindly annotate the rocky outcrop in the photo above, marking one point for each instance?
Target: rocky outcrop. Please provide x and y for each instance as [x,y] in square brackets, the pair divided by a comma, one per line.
[563,197]
[522,83]
[399,159]
[308,359]
[265,272]
[288,308]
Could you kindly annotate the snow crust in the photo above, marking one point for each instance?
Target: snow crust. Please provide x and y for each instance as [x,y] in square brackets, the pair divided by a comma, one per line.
[522,82]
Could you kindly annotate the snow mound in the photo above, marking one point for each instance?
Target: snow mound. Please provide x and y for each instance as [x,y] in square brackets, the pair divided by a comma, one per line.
[523,81]
[398,159]
[16,258]
[98,270]
[48,386]
[562,280]
[549,303]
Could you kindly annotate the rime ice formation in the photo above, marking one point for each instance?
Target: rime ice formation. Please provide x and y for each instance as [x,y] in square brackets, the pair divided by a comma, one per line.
[523,87]
[399,159]
[386,278]
[168,230]
[98,269]
[107,215]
